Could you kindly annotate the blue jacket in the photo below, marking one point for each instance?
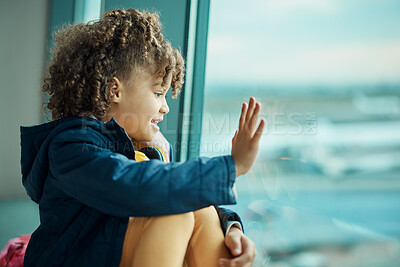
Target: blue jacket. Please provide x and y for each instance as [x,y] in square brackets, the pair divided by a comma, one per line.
[83,175]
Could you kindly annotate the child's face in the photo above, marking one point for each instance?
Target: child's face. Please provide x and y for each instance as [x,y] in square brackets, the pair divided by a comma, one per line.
[139,104]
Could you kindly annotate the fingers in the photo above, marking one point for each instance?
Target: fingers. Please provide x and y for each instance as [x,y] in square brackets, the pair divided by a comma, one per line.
[242,116]
[259,131]
[223,262]
[254,118]
[249,253]
[250,110]
[243,259]
[234,137]
[246,259]
[234,243]
[249,116]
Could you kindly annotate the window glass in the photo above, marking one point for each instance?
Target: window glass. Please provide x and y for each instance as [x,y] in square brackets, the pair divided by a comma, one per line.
[325,189]
[87,10]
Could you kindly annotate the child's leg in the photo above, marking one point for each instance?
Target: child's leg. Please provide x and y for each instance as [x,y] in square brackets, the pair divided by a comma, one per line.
[157,241]
[164,240]
[207,244]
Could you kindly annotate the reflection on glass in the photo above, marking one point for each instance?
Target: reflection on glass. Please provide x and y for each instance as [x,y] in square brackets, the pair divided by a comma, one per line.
[325,190]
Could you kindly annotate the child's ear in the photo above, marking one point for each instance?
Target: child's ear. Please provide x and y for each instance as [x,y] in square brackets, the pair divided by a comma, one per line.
[115,90]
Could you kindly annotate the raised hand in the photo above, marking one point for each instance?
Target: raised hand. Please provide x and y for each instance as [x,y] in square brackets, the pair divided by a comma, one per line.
[246,139]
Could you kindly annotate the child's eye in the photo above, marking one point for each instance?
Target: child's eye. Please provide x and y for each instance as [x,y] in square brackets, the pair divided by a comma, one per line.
[158,94]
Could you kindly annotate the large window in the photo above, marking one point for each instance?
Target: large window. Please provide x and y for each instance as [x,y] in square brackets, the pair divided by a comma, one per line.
[325,190]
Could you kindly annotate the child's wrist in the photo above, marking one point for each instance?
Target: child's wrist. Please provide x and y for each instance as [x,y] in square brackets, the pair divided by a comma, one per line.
[238,170]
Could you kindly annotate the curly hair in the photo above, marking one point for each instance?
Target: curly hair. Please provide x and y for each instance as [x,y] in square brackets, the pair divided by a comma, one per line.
[86,57]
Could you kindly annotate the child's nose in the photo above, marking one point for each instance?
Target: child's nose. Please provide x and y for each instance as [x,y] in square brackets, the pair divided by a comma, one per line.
[164,108]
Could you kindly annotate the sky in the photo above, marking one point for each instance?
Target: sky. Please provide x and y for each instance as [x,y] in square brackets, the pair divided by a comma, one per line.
[304,42]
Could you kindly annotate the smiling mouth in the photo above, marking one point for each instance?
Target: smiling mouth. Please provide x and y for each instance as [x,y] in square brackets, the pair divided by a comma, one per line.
[154,124]
[155,121]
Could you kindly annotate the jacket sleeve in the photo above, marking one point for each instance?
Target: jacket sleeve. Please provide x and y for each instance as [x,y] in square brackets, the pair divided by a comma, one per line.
[226,216]
[116,185]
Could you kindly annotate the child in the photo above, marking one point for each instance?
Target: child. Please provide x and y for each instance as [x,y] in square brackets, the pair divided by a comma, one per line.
[100,206]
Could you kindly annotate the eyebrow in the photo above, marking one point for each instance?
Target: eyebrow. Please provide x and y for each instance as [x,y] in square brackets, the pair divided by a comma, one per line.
[166,90]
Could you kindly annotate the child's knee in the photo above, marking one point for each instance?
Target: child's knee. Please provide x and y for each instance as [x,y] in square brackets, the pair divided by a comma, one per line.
[184,220]
[206,215]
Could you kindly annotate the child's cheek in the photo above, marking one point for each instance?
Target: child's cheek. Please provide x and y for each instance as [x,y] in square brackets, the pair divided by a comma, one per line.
[131,124]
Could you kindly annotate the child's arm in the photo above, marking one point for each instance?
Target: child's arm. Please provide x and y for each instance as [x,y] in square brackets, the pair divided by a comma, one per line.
[247,142]
[87,170]
[227,217]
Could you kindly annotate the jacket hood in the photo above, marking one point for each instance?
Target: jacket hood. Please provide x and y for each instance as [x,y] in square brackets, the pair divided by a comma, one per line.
[35,142]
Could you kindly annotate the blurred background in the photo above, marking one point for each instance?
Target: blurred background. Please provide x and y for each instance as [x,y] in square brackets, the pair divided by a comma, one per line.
[23,34]
[325,189]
